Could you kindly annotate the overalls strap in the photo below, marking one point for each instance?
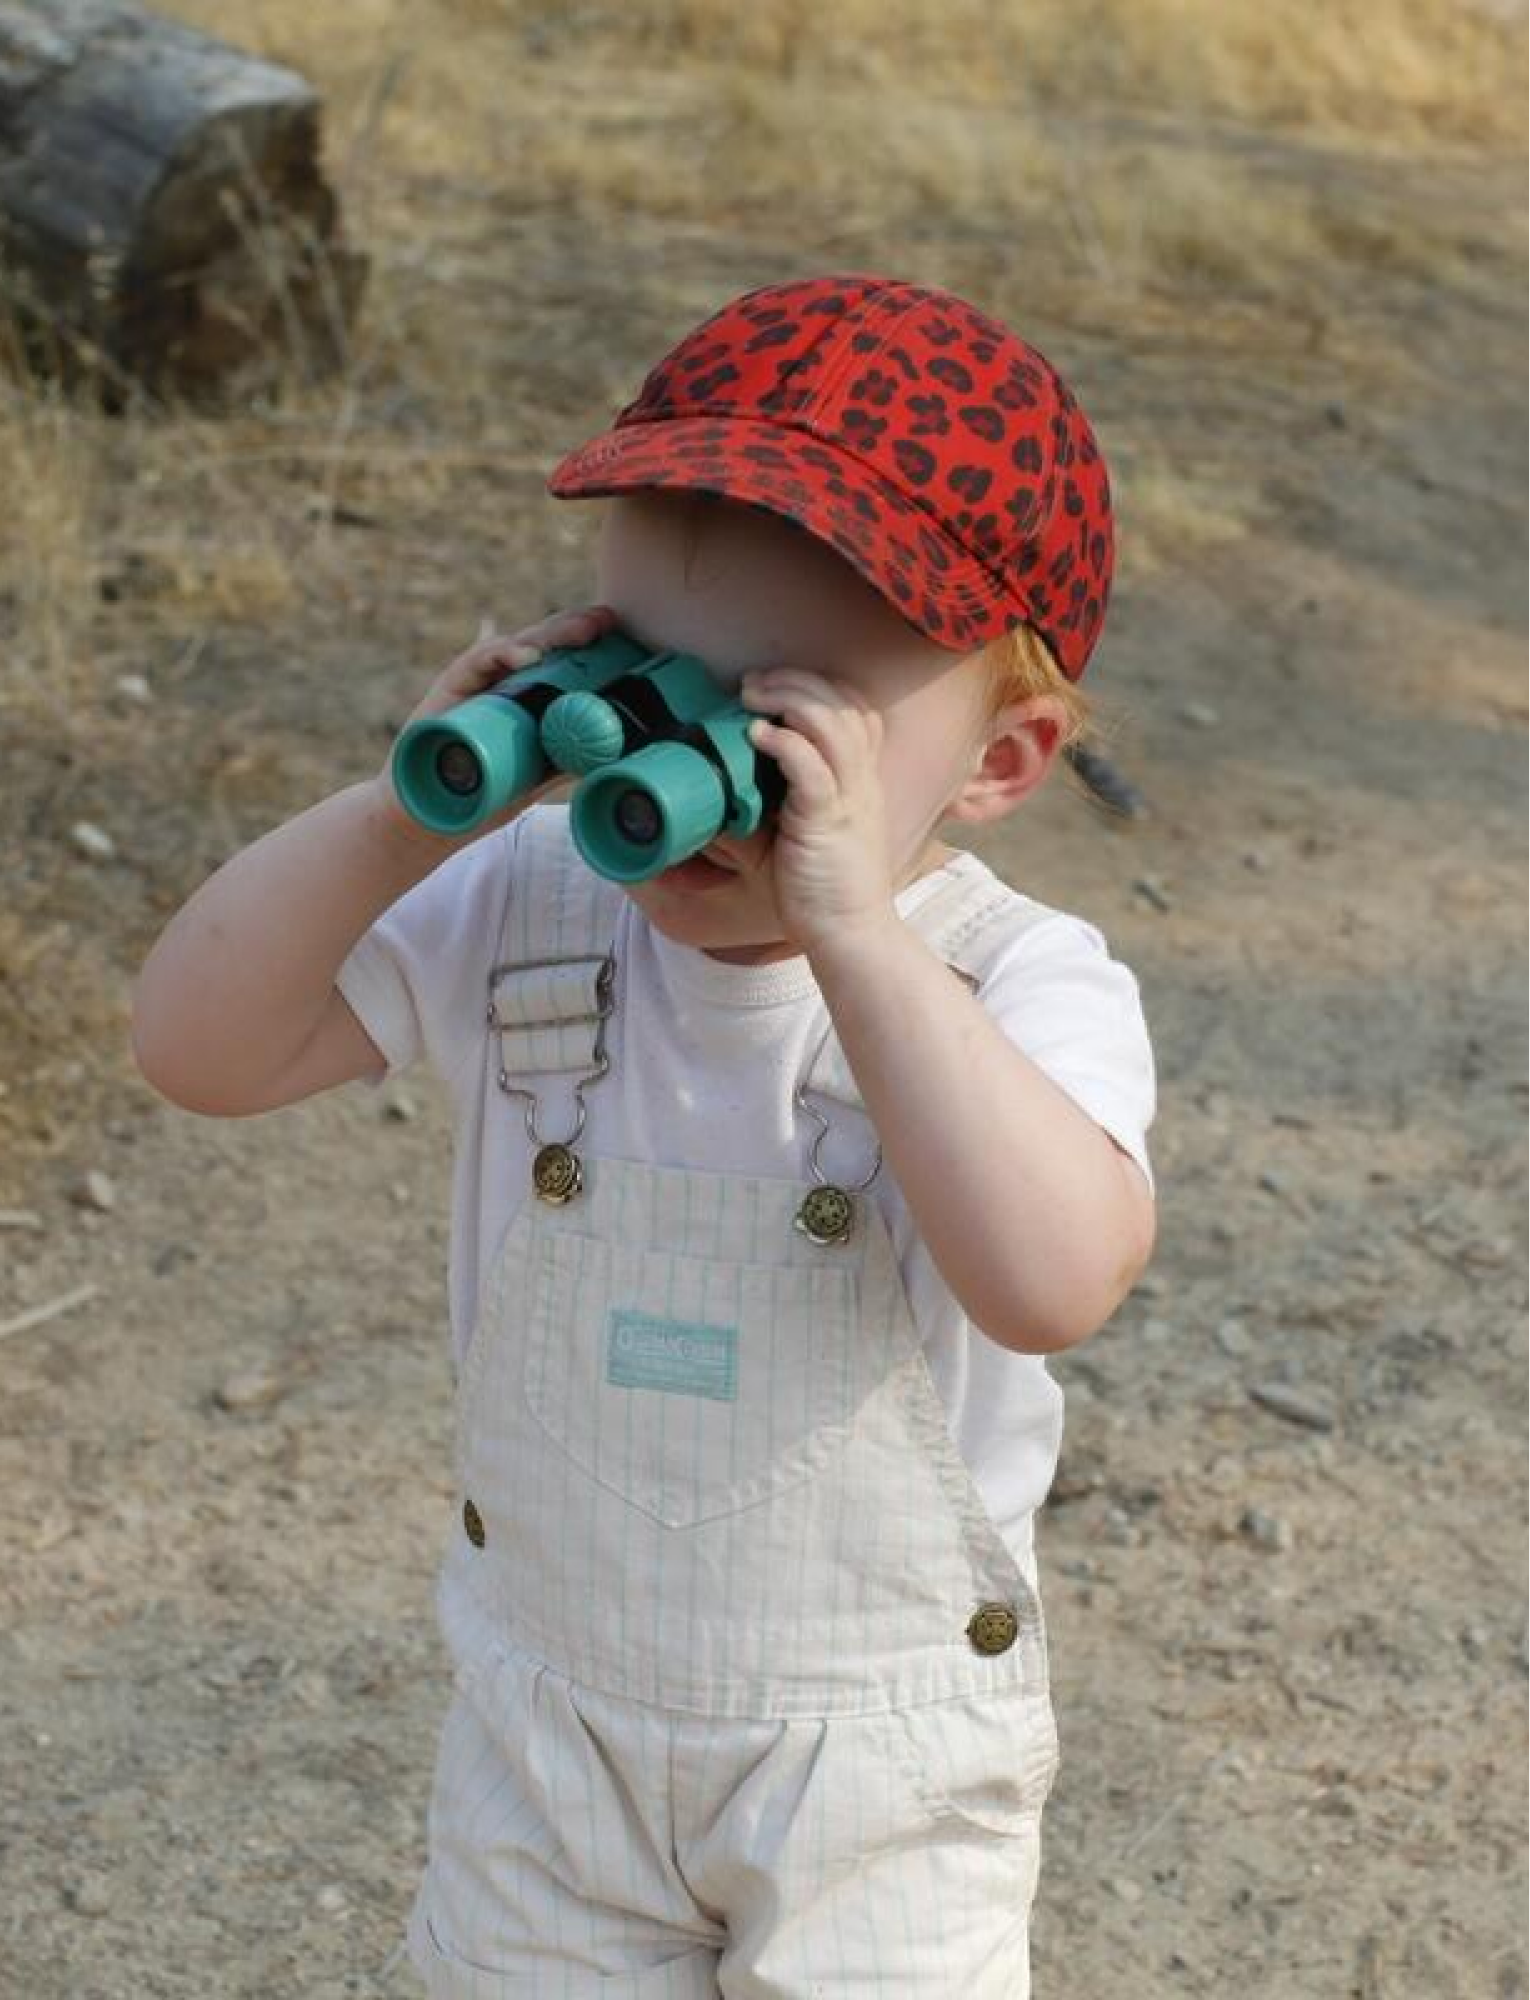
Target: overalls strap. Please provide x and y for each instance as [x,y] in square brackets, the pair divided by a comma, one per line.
[966,923]
[551,981]
[551,984]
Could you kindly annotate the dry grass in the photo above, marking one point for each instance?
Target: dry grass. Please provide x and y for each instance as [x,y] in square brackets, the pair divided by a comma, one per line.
[550,194]
[1398,70]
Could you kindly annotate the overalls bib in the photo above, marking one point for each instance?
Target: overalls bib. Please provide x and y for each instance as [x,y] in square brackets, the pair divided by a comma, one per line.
[719,1576]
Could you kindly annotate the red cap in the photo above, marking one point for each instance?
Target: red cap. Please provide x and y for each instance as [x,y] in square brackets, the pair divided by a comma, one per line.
[933,448]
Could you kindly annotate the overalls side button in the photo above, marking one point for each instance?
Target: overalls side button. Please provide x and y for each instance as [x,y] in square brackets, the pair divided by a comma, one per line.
[993,1628]
[472,1522]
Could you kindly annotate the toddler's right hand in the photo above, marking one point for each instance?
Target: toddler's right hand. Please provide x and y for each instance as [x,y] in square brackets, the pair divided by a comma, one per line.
[474,672]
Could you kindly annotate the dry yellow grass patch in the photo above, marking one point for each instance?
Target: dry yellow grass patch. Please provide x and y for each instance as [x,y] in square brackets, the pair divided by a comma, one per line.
[1394,69]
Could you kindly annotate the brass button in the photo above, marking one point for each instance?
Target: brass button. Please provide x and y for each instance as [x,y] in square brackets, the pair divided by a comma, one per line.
[556,1174]
[993,1628]
[827,1215]
[472,1521]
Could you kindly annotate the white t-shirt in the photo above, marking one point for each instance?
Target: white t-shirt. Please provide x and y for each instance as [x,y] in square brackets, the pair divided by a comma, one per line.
[705,1057]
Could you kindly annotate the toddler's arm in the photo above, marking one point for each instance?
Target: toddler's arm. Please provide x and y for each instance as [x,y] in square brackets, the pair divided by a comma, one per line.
[1037,1218]
[235,1009]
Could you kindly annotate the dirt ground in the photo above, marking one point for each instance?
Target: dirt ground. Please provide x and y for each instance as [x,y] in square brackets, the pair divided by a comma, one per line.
[1284,1560]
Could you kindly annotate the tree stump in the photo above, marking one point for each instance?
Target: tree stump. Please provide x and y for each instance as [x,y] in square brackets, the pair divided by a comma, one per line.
[164,223]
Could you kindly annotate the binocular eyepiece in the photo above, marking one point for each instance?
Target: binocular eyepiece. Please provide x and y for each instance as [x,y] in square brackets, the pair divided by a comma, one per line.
[660,746]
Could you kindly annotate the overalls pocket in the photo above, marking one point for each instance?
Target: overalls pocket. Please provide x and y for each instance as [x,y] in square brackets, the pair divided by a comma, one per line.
[692,1387]
[986,1762]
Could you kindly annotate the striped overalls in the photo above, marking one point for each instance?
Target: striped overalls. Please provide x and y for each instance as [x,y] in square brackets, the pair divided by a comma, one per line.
[751,1696]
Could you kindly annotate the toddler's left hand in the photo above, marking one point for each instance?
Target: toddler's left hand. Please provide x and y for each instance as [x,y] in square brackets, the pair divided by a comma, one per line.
[831,856]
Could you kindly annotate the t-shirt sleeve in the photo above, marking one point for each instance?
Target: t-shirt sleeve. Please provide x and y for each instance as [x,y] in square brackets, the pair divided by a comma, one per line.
[417,980]
[1077,1013]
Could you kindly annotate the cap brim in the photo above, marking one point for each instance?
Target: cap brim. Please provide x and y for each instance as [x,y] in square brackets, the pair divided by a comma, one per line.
[936,585]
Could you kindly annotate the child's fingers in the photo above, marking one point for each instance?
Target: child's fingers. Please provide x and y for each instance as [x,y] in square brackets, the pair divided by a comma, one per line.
[511,653]
[567,628]
[483,665]
[487,663]
[807,771]
[571,629]
[844,732]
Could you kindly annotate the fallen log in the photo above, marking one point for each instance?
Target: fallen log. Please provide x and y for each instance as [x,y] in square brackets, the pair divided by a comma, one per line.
[164,221]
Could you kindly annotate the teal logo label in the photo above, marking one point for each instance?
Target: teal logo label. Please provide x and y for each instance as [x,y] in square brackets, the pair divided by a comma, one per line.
[675,1355]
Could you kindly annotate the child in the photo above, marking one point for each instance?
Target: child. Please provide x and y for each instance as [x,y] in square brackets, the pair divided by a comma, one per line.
[751,1691]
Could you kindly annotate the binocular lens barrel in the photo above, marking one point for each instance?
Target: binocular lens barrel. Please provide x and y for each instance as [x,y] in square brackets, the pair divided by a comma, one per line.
[646,812]
[637,818]
[455,770]
[458,769]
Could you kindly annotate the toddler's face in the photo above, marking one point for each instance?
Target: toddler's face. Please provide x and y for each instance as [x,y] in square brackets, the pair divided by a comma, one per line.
[742,588]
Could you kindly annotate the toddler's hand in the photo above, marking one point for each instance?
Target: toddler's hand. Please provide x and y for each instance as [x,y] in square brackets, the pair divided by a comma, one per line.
[474,672]
[831,857]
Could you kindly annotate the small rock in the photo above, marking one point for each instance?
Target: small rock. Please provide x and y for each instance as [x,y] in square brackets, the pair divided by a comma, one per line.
[1156,1329]
[1280,1185]
[1108,785]
[1128,1891]
[251,1389]
[1474,1639]
[93,841]
[55,1527]
[1292,1405]
[20,1218]
[1233,1337]
[1200,714]
[1148,1288]
[1119,1531]
[1257,859]
[94,1190]
[331,1899]
[1266,1529]
[1488,1253]
[400,1194]
[1151,890]
[1068,1484]
[1337,1803]
[134,688]
[88,1895]
[401,1106]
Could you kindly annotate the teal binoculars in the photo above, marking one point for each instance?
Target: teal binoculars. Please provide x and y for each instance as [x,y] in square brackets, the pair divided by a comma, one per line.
[659,745]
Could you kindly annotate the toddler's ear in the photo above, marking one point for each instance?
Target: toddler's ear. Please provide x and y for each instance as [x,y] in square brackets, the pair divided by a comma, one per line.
[1022,745]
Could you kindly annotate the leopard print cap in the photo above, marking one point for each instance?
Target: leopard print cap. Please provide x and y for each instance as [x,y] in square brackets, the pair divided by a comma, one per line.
[933,448]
